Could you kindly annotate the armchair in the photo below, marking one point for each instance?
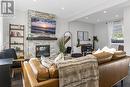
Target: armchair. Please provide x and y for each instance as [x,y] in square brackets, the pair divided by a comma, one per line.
[10,53]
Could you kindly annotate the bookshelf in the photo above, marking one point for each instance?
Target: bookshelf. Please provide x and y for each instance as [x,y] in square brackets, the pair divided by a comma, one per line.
[16,39]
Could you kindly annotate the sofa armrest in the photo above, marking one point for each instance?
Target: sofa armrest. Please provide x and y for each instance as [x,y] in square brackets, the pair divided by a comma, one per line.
[30,80]
[112,72]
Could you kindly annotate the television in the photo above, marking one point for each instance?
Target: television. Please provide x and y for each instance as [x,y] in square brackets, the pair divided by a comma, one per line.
[42,25]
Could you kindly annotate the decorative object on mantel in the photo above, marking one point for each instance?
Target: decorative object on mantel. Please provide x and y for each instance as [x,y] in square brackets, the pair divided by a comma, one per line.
[30,35]
[95,39]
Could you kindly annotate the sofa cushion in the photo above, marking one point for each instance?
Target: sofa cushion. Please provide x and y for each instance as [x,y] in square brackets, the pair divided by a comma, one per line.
[103,57]
[77,49]
[110,50]
[53,71]
[97,52]
[59,58]
[41,72]
[118,55]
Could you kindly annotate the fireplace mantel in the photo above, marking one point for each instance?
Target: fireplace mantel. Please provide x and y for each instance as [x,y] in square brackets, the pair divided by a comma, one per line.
[41,38]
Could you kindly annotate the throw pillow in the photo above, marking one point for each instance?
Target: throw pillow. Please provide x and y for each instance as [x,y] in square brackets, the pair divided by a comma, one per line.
[53,70]
[103,57]
[41,73]
[110,50]
[118,55]
[46,62]
[76,49]
[98,51]
[59,58]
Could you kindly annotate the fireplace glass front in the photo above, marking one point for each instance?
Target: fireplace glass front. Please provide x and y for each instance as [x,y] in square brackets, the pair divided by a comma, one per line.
[42,50]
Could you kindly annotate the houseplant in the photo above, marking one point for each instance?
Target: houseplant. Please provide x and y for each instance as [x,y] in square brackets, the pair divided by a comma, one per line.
[61,45]
[78,42]
[95,39]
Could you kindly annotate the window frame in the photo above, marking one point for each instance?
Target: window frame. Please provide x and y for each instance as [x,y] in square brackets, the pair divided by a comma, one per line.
[117,41]
[83,35]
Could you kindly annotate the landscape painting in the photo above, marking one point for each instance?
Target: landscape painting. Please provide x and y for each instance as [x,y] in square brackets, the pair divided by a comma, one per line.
[41,25]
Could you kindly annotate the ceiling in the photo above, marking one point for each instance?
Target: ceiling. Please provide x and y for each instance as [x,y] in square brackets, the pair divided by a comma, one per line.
[111,14]
[63,8]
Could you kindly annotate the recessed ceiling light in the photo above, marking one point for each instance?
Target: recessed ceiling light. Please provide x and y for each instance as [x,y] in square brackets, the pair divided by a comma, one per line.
[98,20]
[34,0]
[62,8]
[104,12]
[117,16]
[86,17]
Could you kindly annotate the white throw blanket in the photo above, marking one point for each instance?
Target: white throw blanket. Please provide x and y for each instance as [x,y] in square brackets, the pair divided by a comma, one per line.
[79,72]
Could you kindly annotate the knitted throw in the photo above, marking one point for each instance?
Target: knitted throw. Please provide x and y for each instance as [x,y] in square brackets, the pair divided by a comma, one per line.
[79,72]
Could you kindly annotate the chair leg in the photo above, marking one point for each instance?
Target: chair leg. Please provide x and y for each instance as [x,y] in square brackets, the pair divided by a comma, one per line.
[12,73]
[121,83]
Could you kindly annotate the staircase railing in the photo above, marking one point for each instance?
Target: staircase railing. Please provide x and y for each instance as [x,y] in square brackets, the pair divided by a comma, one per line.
[66,38]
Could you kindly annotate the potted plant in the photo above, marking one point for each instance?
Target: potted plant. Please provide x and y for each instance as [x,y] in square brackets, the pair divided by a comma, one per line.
[61,45]
[78,42]
[95,39]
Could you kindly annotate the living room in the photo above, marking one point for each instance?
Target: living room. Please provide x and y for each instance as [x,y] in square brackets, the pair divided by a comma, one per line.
[65,29]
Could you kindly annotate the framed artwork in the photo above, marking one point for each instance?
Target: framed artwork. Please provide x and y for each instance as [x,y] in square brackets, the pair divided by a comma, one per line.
[41,23]
[83,35]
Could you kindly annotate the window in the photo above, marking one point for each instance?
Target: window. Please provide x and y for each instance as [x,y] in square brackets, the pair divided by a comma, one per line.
[117,34]
[83,35]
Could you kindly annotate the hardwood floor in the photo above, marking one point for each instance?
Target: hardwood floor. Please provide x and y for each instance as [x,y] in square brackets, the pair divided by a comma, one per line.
[17,80]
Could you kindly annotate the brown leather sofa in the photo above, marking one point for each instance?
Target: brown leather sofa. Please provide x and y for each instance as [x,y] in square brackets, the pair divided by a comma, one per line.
[109,74]
[31,81]
[112,72]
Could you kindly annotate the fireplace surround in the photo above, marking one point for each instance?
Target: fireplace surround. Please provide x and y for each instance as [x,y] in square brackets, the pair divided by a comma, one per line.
[34,39]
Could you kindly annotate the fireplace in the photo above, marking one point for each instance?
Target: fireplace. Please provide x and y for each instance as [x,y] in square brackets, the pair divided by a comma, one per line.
[42,50]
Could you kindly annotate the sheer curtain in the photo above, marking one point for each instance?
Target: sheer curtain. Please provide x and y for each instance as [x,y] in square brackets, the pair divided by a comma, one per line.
[110,32]
[110,28]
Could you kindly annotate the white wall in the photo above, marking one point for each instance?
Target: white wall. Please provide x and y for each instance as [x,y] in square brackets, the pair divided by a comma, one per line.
[1,33]
[127,30]
[6,32]
[61,27]
[101,31]
[80,26]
